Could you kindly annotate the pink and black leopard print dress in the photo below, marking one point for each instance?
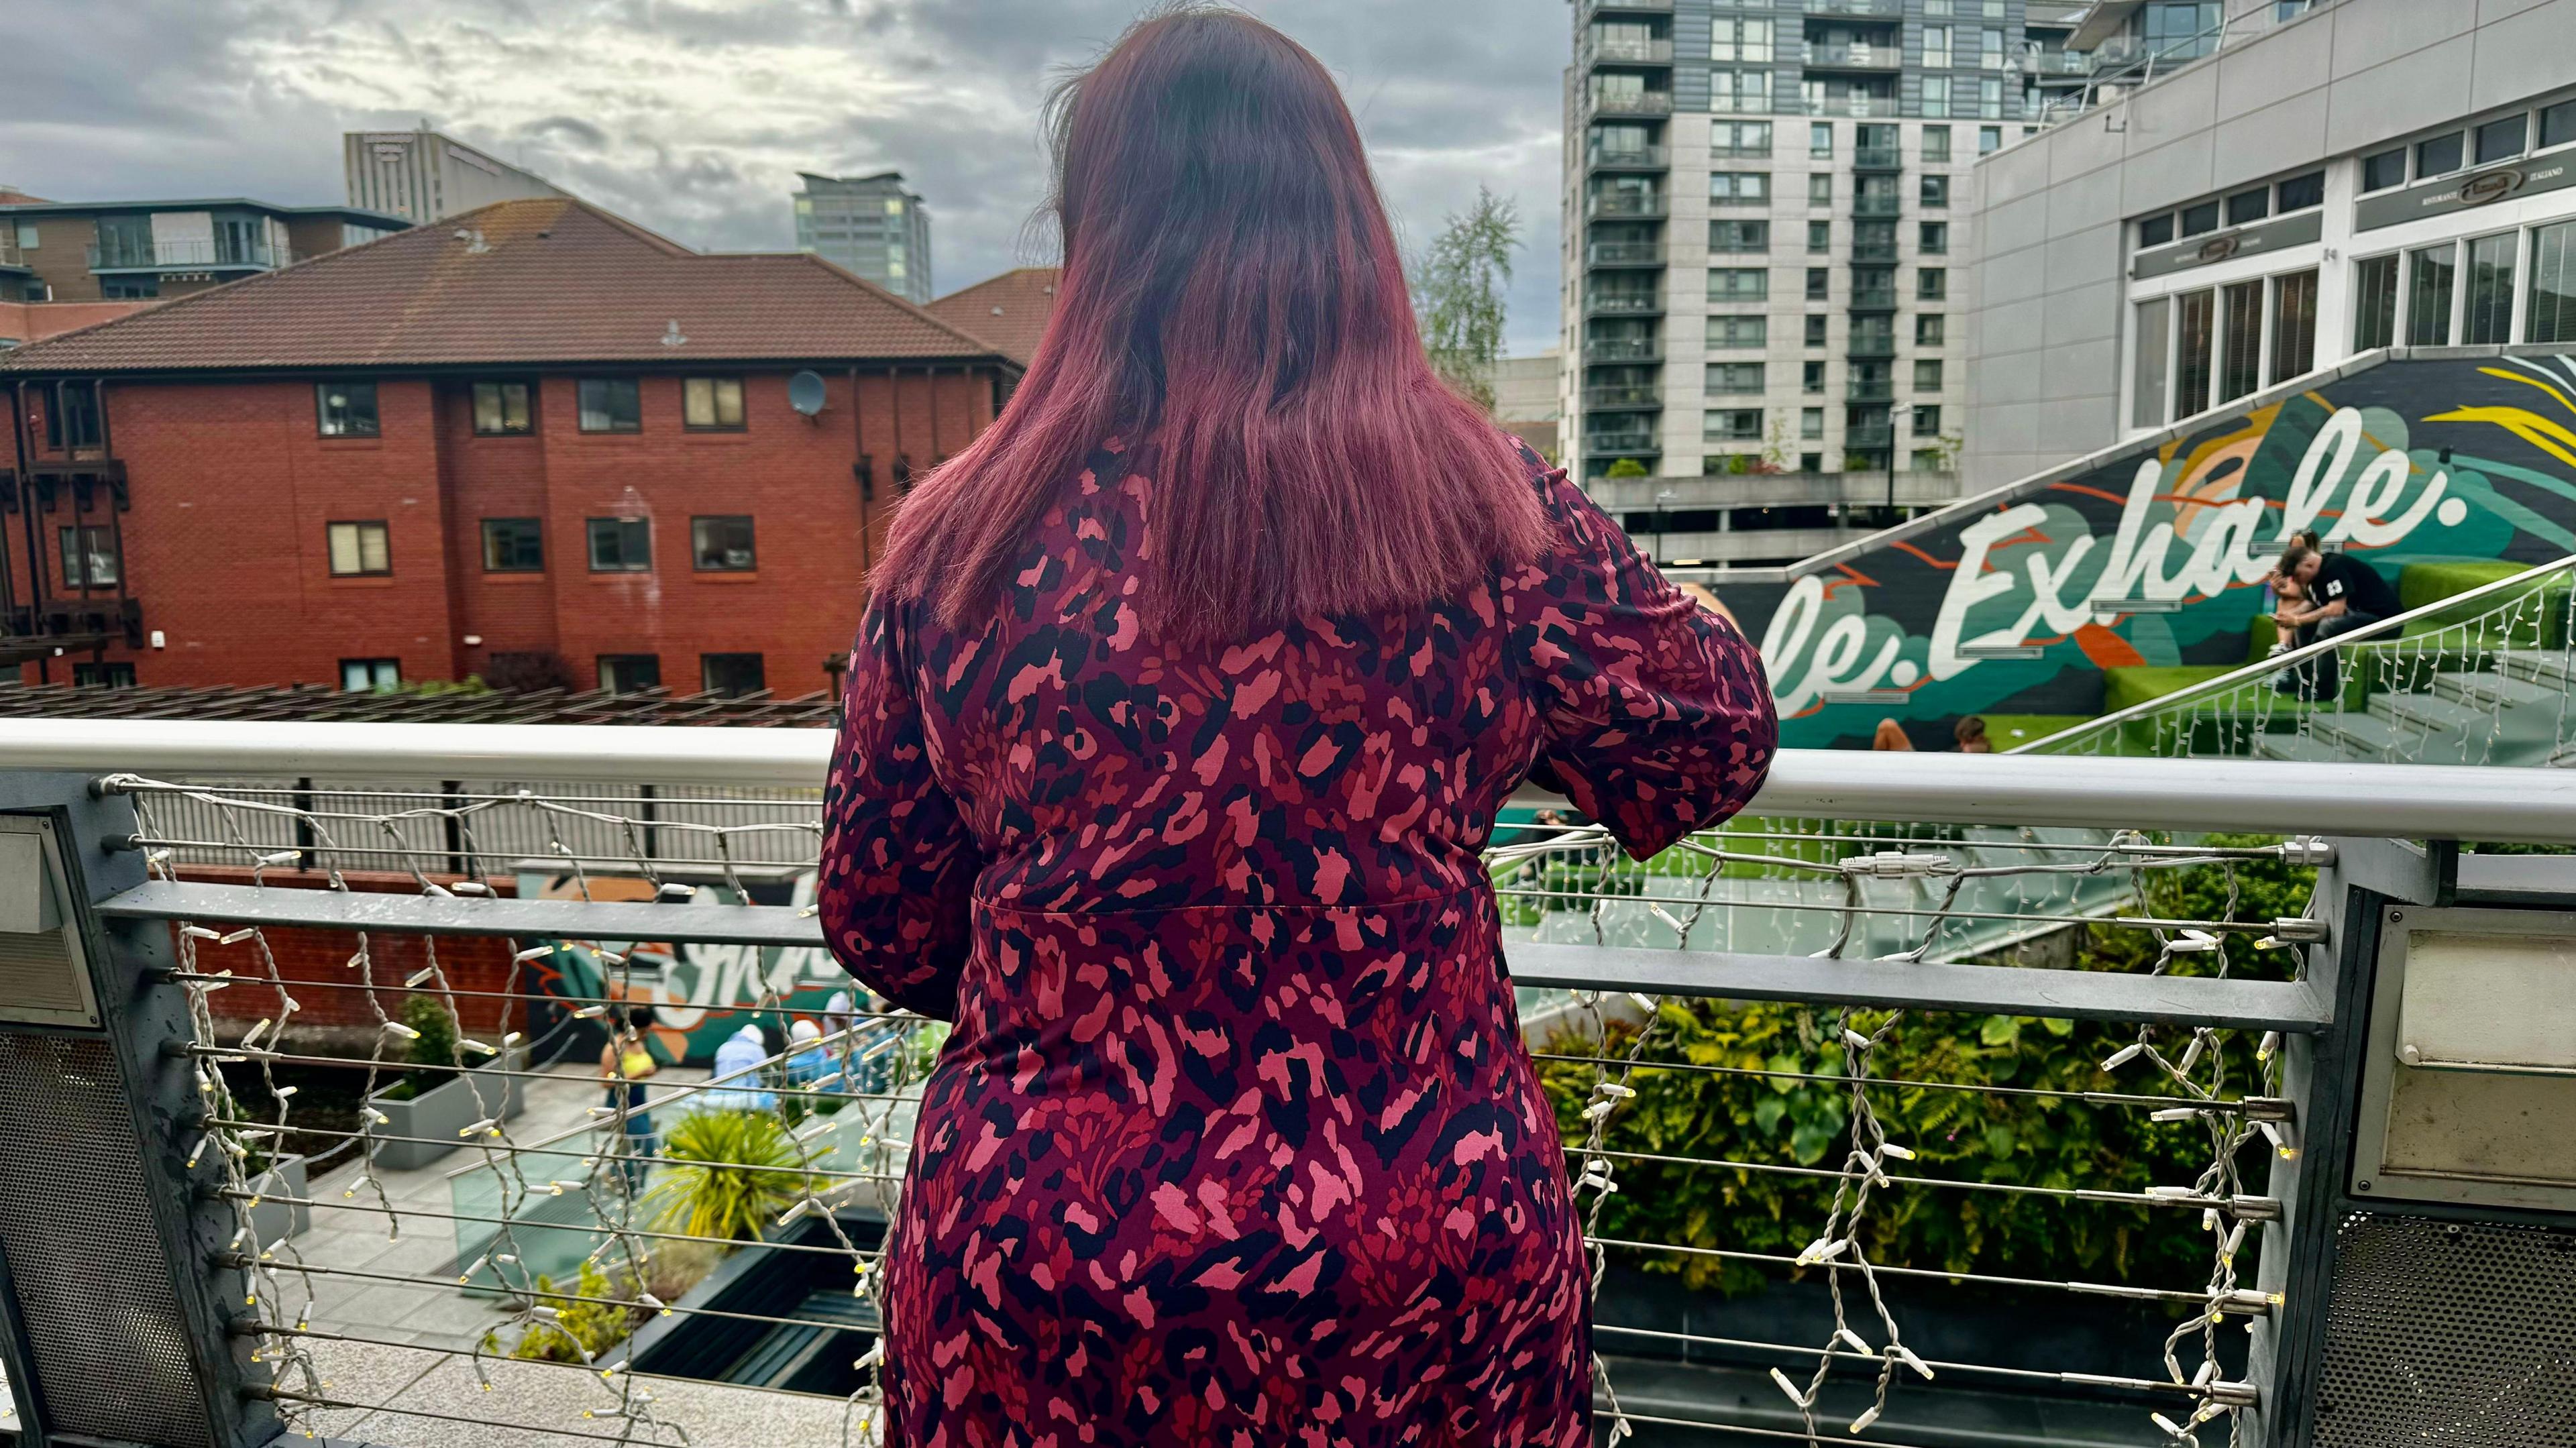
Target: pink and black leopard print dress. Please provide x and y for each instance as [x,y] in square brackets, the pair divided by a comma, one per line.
[1235,1142]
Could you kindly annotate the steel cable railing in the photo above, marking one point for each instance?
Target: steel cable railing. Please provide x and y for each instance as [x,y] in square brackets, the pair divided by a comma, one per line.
[1591,890]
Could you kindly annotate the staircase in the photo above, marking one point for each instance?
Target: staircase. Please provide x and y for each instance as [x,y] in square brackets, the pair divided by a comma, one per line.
[2513,713]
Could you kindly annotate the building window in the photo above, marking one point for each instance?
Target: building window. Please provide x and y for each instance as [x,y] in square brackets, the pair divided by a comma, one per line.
[1740,138]
[1726,236]
[630,673]
[2553,284]
[1932,284]
[611,404]
[1739,40]
[1936,93]
[360,549]
[345,409]
[2247,206]
[1932,238]
[1733,424]
[1729,377]
[1815,331]
[1936,191]
[2301,192]
[2196,327]
[1738,331]
[2428,296]
[2489,316]
[2558,124]
[1820,236]
[711,404]
[1811,424]
[27,236]
[370,676]
[1820,189]
[129,289]
[2156,230]
[1990,139]
[1936,143]
[1819,283]
[1936,47]
[2438,156]
[1927,374]
[731,675]
[2147,409]
[1738,284]
[721,544]
[104,674]
[1927,420]
[501,409]
[1820,140]
[2384,170]
[2294,325]
[89,556]
[1990,98]
[1742,92]
[513,545]
[71,416]
[1739,188]
[1990,50]
[621,545]
[2197,220]
[1930,329]
[1811,377]
[2502,140]
[2374,303]
[2241,347]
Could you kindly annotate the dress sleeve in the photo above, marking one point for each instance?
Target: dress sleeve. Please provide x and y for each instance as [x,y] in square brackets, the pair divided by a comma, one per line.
[899,863]
[1656,719]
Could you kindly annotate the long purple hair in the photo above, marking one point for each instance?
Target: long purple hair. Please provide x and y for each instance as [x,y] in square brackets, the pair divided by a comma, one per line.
[1233,304]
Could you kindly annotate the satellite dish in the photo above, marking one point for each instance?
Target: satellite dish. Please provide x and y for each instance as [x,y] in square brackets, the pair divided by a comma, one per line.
[805,392]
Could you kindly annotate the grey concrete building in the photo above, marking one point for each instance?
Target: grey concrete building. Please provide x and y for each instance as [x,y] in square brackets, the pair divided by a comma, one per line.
[423,176]
[2339,177]
[870,226]
[1762,222]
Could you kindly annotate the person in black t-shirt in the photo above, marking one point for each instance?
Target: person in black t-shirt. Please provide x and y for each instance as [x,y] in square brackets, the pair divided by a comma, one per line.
[2324,595]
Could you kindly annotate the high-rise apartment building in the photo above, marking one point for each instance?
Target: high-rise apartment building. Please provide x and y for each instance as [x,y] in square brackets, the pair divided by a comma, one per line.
[1763,225]
[870,226]
[423,176]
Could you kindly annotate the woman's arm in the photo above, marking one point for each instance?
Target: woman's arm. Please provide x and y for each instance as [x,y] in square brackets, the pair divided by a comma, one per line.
[899,863]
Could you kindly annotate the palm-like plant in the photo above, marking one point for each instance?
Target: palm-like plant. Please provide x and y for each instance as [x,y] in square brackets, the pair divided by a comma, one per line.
[726,1174]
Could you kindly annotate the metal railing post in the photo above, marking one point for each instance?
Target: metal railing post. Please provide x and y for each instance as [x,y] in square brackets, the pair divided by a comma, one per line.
[119,1326]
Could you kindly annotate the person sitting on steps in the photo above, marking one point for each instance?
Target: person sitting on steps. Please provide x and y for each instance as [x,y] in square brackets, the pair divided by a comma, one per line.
[2323,596]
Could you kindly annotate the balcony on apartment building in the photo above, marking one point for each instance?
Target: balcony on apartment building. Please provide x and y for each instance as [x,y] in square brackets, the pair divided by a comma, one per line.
[1632,102]
[194,253]
[1609,351]
[1623,397]
[1860,9]
[1853,55]
[1857,104]
[1626,441]
[1627,50]
[1624,253]
[1624,302]
[1632,205]
[1627,158]
[1608,8]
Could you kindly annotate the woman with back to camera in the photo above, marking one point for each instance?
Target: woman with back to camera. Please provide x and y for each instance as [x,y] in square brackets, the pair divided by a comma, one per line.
[1178,719]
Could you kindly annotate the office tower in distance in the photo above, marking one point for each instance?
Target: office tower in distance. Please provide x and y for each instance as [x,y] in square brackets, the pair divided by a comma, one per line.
[423,176]
[870,226]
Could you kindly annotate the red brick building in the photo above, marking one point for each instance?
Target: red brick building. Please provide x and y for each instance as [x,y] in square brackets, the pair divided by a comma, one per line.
[1011,310]
[533,443]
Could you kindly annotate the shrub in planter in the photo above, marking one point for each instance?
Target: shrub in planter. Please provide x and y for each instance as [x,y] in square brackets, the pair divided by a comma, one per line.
[581,1330]
[739,1199]
[434,1102]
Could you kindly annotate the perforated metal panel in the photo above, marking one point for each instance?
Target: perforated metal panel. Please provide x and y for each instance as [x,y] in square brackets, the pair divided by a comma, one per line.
[2450,1333]
[93,1285]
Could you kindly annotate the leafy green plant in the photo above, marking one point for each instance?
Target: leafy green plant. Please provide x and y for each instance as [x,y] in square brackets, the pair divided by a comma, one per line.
[726,1174]
[581,1331]
[433,1047]
[2049,1141]
[1458,294]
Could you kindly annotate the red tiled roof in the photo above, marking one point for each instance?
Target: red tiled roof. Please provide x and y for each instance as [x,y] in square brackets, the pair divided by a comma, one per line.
[12,196]
[1011,309]
[540,280]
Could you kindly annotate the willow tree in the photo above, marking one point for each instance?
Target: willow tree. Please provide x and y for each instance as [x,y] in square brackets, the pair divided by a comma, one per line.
[1458,294]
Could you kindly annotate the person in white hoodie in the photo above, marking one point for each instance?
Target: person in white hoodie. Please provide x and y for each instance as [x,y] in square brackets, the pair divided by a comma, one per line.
[737,1069]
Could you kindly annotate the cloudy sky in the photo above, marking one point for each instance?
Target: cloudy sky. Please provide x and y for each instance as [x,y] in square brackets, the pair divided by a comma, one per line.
[693,116]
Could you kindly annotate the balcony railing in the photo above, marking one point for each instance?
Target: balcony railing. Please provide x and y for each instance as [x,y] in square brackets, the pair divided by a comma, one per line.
[1880,390]
[1625,398]
[1592,8]
[1878,158]
[1871,344]
[1880,252]
[1623,349]
[1873,299]
[1624,304]
[1632,103]
[2056,63]
[147,254]
[1869,436]
[1616,205]
[1923,969]
[1624,253]
[1877,206]
[1627,158]
[1863,107]
[1864,9]
[1630,52]
[1824,56]
[1614,441]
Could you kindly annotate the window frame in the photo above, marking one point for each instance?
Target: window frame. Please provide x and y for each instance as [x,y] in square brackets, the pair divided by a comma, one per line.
[1931,284]
[701,525]
[583,410]
[351,425]
[591,535]
[2459,160]
[76,556]
[1932,190]
[383,533]
[500,391]
[2521,123]
[1714,384]
[715,386]
[2397,154]
[602,665]
[1931,238]
[708,662]
[536,534]
[375,667]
